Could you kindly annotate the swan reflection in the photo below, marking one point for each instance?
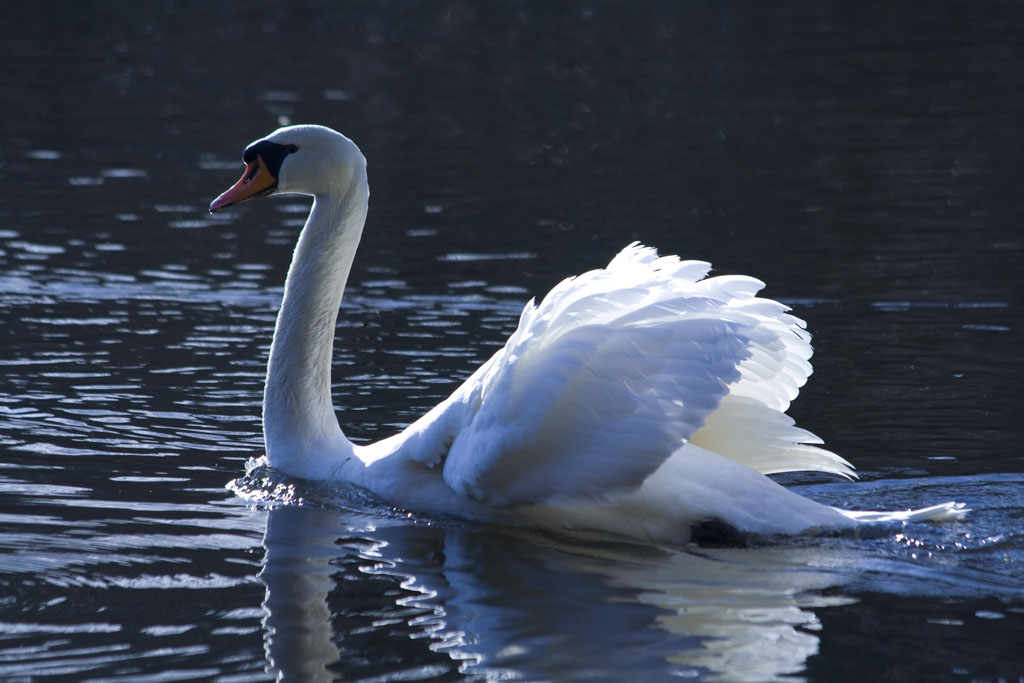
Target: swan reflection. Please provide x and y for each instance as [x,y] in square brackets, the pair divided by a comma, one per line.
[297,573]
[348,596]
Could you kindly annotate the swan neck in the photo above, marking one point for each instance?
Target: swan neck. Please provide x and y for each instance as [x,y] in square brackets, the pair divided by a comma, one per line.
[302,434]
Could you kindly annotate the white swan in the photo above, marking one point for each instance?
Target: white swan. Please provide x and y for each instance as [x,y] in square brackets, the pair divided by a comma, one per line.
[641,398]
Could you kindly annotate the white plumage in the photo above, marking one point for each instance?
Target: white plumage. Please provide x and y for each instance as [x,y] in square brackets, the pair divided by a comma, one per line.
[641,398]
[616,368]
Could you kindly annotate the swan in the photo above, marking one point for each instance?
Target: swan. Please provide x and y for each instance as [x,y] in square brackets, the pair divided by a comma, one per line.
[644,398]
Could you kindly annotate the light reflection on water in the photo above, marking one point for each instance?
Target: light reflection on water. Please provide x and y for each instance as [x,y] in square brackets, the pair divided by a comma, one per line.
[477,594]
[874,186]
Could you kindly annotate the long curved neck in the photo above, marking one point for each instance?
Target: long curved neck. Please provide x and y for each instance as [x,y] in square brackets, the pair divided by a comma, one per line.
[299,426]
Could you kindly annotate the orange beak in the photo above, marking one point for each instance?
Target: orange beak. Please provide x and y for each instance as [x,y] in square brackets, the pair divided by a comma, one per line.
[255,181]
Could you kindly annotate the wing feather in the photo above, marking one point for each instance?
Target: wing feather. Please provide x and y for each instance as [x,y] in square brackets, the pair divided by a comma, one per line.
[614,371]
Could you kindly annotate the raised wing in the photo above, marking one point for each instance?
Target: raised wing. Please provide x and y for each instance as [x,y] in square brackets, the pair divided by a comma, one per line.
[610,374]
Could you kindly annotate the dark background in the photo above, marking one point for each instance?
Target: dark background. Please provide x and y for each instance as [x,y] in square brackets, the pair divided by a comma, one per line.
[863,159]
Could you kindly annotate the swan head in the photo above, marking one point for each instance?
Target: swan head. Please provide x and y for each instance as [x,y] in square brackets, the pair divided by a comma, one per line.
[310,160]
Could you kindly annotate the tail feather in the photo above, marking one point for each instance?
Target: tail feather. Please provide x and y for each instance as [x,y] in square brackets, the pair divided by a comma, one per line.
[944,512]
[765,439]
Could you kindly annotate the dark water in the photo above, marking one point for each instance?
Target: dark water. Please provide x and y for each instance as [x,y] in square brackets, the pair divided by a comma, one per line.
[864,161]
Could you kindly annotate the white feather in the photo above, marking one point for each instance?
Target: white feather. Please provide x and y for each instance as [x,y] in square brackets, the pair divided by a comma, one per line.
[641,398]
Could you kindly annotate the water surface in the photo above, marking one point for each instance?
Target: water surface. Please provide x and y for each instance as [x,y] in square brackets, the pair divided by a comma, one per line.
[864,163]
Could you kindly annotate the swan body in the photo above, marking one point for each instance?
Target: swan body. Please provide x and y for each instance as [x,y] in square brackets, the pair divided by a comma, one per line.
[643,398]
